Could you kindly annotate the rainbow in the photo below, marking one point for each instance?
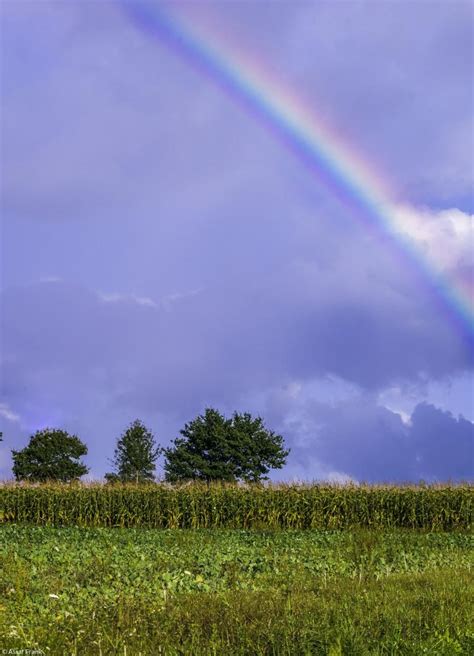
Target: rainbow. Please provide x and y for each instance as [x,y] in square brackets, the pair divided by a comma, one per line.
[306,135]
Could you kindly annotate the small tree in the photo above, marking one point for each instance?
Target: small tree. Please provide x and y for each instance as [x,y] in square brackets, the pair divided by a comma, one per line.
[135,455]
[51,455]
[215,448]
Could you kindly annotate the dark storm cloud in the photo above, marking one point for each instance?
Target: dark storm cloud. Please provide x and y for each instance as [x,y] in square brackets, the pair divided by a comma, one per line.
[217,342]
[444,445]
[368,442]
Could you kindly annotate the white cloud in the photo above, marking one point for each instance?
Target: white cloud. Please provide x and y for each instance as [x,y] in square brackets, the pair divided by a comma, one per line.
[405,417]
[308,469]
[163,303]
[144,300]
[127,298]
[168,300]
[7,413]
[445,237]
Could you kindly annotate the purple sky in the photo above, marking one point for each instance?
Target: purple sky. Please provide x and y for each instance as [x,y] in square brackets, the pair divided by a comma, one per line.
[162,252]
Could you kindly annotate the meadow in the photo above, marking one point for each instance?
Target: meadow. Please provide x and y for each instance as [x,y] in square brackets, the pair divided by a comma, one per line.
[352,589]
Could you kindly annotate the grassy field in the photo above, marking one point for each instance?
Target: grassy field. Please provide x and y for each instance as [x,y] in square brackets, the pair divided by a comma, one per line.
[146,591]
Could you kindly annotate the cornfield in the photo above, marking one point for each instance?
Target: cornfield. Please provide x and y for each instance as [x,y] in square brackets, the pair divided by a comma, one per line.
[318,506]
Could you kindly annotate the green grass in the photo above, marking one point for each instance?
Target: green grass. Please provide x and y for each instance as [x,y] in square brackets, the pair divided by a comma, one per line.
[139,591]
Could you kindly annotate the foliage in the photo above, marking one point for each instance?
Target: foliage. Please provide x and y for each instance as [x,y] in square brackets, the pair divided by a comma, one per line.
[135,455]
[215,448]
[51,455]
[127,591]
[203,453]
[258,449]
[240,506]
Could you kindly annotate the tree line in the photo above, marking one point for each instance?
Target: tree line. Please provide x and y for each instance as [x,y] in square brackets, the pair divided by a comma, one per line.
[211,448]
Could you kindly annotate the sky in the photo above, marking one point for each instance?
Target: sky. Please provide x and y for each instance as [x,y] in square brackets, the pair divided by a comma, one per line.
[164,251]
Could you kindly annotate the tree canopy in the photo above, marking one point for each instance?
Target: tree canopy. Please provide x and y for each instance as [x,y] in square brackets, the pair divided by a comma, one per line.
[135,455]
[213,447]
[51,454]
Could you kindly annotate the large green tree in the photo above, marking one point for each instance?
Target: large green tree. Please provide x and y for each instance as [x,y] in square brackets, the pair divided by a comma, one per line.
[258,449]
[135,455]
[213,447]
[51,455]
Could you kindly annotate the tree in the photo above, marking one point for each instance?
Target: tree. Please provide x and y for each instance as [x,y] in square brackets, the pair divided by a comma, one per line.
[51,455]
[215,448]
[258,448]
[135,455]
